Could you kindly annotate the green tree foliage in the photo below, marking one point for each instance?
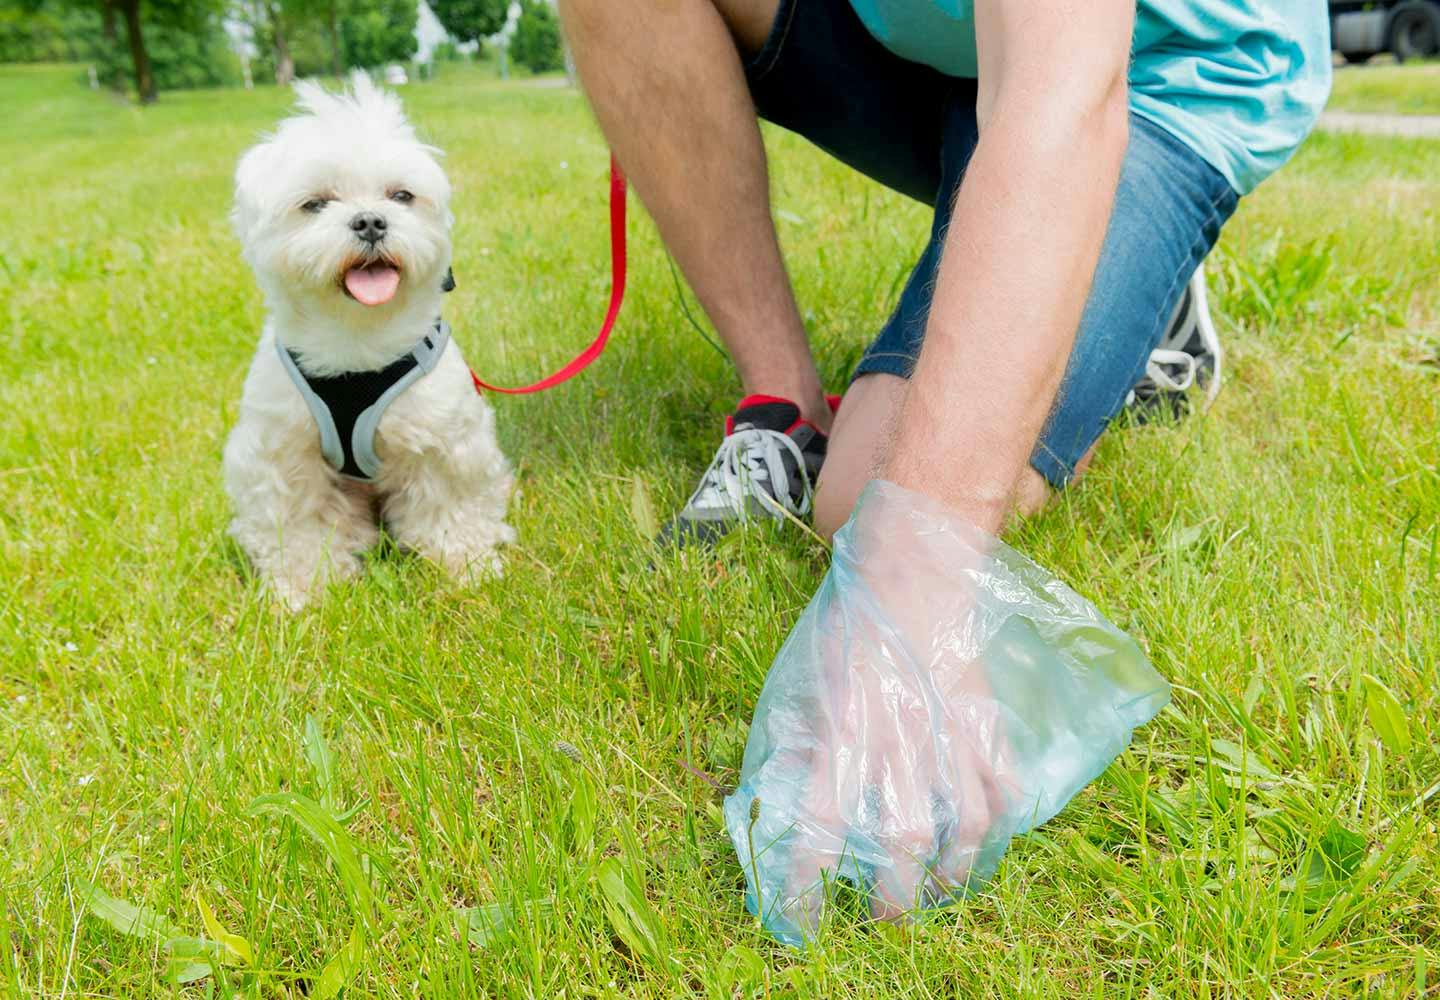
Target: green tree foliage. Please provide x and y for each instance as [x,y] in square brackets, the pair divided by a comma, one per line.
[185,52]
[300,38]
[470,20]
[448,52]
[152,43]
[59,34]
[172,44]
[536,44]
[379,31]
[323,17]
[288,39]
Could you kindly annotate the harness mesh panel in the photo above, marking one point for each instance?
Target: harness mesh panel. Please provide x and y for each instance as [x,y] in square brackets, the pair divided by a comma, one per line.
[350,394]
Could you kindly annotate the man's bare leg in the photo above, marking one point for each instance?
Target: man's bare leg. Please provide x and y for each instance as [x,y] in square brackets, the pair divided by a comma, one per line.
[666,81]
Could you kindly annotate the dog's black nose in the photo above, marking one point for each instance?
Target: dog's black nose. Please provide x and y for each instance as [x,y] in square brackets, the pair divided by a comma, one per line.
[369,226]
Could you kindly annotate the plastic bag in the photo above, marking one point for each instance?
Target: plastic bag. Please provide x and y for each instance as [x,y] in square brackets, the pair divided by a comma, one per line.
[940,694]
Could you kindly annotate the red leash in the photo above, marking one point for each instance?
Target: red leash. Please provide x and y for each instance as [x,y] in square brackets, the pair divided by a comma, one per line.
[617,295]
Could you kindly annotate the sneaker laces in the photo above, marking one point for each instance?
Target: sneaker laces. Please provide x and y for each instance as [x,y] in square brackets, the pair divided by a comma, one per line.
[1174,371]
[746,459]
[1162,378]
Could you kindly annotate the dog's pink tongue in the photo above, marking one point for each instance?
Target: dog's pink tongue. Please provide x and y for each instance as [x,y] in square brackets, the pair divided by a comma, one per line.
[372,285]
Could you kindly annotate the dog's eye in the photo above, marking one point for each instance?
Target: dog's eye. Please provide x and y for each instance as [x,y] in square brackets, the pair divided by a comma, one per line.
[314,205]
[402,196]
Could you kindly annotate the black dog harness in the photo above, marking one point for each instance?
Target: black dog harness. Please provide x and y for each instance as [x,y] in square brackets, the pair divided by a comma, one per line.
[347,407]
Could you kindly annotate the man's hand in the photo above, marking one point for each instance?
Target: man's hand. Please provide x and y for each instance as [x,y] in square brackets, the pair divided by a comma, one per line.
[1026,235]
[940,694]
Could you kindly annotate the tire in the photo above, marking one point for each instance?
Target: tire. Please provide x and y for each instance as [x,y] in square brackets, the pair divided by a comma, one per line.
[1356,58]
[1415,31]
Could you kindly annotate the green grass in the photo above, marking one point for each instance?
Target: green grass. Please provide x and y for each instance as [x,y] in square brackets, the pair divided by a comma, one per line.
[1409,89]
[1258,839]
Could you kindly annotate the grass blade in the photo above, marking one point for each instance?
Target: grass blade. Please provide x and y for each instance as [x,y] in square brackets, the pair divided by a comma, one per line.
[322,762]
[741,966]
[191,959]
[486,925]
[635,922]
[127,918]
[235,948]
[181,973]
[642,511]
[333,839]
[1386,715]
[341,969]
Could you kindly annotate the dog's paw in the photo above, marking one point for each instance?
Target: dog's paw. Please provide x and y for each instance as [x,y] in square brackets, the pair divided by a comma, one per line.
[473,567]
[472,555]
[477,560]
[288,595]
[297,587]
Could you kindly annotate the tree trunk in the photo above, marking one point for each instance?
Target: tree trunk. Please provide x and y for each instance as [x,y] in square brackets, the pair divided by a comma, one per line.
[144,78]
[107,23]
[284,62]
[111,34]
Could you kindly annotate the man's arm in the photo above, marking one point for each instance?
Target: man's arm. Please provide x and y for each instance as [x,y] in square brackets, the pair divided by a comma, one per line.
[1025,237]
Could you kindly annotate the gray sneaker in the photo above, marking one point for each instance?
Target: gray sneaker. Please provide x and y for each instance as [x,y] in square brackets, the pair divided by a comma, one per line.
[764,469]
[1188,359]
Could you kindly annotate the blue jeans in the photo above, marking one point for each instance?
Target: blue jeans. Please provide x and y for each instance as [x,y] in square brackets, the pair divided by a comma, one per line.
[821,74]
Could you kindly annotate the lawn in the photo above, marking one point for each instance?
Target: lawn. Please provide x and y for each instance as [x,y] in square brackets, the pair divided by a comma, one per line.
[528,772]
[1410,89]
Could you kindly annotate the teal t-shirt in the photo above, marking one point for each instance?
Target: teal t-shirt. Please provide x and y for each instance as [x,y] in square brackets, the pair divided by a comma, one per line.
[1241,82]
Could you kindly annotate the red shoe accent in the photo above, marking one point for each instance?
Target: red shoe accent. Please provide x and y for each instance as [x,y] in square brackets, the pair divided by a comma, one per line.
[760,399]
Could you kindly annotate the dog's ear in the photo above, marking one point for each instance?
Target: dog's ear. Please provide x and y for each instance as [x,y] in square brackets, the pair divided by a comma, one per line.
[448,285]
[248,207]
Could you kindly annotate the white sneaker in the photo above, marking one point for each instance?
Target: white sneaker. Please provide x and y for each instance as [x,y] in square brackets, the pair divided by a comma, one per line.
[1188,358]
[764,469]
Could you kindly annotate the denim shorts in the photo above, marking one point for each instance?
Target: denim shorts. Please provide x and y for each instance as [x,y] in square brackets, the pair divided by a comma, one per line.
[822,75]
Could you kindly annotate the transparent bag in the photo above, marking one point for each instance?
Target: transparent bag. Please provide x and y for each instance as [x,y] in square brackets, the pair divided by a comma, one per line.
[940,694]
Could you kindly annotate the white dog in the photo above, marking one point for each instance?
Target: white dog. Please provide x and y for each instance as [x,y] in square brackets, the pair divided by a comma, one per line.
[358,407]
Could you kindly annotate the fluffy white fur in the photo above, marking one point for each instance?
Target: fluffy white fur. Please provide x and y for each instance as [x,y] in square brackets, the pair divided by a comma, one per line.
[444,484]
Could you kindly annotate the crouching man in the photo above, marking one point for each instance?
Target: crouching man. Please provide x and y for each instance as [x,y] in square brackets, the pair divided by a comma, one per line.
[1102,145]
[1081,157]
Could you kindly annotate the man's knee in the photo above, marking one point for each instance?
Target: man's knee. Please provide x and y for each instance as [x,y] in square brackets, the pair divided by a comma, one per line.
[834,500]
[749,21]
